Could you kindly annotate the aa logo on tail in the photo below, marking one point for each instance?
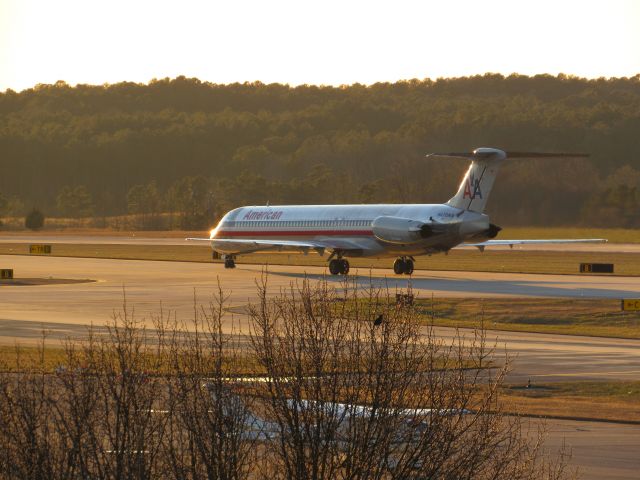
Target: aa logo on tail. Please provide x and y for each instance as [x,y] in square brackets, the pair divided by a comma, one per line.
[472,188]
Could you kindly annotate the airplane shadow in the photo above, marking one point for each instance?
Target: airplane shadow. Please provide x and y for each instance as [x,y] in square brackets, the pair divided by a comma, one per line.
[535,288]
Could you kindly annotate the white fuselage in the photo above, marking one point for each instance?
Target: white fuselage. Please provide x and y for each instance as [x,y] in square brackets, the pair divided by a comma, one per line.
[403,231]
[349,227]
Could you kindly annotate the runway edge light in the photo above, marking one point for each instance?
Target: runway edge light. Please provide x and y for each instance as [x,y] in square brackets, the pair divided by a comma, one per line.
[630,304]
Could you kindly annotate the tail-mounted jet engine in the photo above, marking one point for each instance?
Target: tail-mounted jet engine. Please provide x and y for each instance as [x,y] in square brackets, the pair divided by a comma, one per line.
[402,230]
[492,231]
[489,233]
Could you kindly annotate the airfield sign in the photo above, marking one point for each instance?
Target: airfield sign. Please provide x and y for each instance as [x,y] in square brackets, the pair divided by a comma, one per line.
[631,304]
[39,249]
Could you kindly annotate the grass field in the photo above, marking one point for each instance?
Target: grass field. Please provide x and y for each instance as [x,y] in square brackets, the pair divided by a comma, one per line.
[16,358]
[511,261]
[609,401]
[613,401]
[593,317]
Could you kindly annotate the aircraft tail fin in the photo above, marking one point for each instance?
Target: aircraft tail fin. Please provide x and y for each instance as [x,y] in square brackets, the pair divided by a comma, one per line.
[477,183]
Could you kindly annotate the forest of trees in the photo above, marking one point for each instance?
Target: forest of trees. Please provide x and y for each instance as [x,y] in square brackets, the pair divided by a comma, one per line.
[197,149]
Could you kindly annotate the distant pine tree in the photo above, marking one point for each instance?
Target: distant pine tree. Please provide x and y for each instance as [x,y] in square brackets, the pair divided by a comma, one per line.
[34,219]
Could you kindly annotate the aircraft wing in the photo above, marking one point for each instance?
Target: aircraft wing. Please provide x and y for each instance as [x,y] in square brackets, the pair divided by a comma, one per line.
[511,243]
[233,246]
[254,245]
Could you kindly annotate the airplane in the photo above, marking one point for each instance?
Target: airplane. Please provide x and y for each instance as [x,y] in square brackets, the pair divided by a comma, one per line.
[404,231]
[409,422]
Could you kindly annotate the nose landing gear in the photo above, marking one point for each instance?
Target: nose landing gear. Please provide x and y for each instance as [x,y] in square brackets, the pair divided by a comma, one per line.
[339,266]
[403,265]
[229,261]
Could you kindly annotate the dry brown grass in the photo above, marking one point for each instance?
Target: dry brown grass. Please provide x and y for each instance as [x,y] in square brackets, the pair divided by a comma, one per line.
[608,401]
[570,316]
[612,401]
[547,262]
[13,358]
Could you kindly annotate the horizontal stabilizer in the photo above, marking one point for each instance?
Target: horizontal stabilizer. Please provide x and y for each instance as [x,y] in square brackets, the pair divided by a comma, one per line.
[477,155]
[545,155]
[511,243]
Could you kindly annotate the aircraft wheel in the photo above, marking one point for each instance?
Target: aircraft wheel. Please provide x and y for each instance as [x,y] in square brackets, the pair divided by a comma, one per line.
[334,267]
[399,266]
[229,262]
[344,266]
[408,266]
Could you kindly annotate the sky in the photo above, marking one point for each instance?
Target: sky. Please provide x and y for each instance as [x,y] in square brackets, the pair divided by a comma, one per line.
[316,42]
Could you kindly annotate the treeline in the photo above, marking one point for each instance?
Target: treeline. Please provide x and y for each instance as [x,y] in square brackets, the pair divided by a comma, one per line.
[115,145]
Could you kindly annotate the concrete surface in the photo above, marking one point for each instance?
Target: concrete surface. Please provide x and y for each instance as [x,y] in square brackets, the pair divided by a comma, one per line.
[600,450]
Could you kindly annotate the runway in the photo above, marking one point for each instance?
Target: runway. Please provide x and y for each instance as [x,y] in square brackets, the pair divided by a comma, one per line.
[599,450]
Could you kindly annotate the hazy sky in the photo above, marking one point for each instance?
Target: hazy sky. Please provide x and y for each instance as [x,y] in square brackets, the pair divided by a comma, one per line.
[319,42]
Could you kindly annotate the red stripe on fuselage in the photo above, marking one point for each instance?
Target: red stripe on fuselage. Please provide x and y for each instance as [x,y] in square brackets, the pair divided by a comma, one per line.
[289,233]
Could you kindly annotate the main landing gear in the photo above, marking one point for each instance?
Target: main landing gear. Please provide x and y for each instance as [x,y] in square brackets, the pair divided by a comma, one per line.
[339,266]
[229,261]
[403,265]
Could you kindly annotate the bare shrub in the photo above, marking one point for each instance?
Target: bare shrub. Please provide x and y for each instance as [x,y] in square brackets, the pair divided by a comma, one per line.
[213,432]
[28,446]
[359,399]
